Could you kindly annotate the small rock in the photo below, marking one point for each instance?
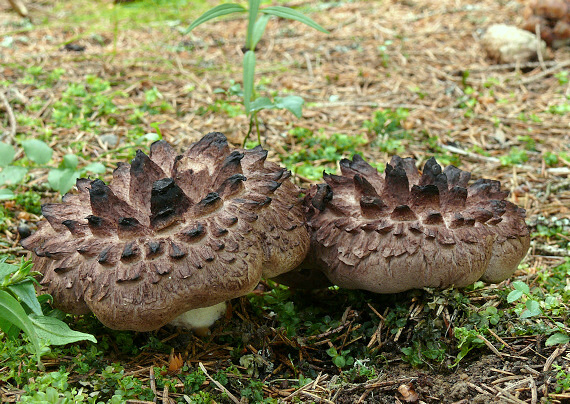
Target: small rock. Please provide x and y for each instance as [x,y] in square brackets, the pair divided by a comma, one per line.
[508,44]
[73,47]
[109,140]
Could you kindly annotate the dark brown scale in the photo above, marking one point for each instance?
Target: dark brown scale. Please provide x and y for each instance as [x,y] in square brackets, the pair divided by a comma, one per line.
[397,186]
[176,251]
[99,226]
[434,219]
[153,248]
[130,251]
[403,213]
[76,228]
[193,234]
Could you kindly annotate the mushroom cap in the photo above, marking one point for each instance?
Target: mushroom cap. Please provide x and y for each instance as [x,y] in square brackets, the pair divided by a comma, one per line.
[405,229]
[170,233]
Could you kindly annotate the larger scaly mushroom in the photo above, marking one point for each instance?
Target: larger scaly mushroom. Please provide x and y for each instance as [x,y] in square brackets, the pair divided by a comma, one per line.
[171,233]
[405,229]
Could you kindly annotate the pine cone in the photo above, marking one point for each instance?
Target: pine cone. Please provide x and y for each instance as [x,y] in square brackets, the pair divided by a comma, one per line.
[553,18]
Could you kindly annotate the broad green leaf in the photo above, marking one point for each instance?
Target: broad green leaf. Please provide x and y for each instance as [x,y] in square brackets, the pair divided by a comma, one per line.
[252,16]
[532,309]
[290,14]
[70,161]
[11,311]
[37,151]
[292,103]
[523,287]
[26,292]
[551,301]
[96,168]
[236,90]
[339,361]
[6,270]
[9,329]
[12,175]
[557,339]
[6,194]
[261,103]
[514,296]
[7,153]
[56,332]
[248,74]
[148,137]
[62,179]
[218,11]
[258,30]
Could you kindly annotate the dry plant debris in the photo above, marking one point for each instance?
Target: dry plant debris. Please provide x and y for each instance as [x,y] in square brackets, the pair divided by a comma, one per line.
[505,122]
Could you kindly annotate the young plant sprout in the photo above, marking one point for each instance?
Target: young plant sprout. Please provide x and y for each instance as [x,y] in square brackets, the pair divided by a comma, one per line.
[255,29]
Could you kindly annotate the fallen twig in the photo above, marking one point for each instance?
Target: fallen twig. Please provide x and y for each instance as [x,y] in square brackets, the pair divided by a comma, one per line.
[559,351]
[218,384]
[546,72]
[490,346]
[11,250]
[19,7]
[551,250]
[11,117]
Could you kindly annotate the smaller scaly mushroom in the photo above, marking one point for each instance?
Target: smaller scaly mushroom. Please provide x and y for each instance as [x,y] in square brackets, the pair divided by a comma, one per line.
[406,230]
[170,234]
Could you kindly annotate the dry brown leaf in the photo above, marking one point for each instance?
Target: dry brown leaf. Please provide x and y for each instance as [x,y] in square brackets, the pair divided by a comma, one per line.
[175,364]
[408,393]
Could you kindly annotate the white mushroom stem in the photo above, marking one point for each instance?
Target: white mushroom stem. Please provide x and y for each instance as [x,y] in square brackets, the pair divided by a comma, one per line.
[200,319]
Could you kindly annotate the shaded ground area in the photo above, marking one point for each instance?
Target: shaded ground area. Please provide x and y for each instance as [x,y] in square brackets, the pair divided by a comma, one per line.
[393,77]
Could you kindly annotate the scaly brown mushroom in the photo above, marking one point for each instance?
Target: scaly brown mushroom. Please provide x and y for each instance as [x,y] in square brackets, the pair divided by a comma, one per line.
[171,233]
[405,229]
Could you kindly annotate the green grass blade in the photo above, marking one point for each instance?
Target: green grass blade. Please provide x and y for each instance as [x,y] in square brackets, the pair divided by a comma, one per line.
[218,11]
[290,14]
[248,74]
[253,10]
[12,312]
[258,29]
